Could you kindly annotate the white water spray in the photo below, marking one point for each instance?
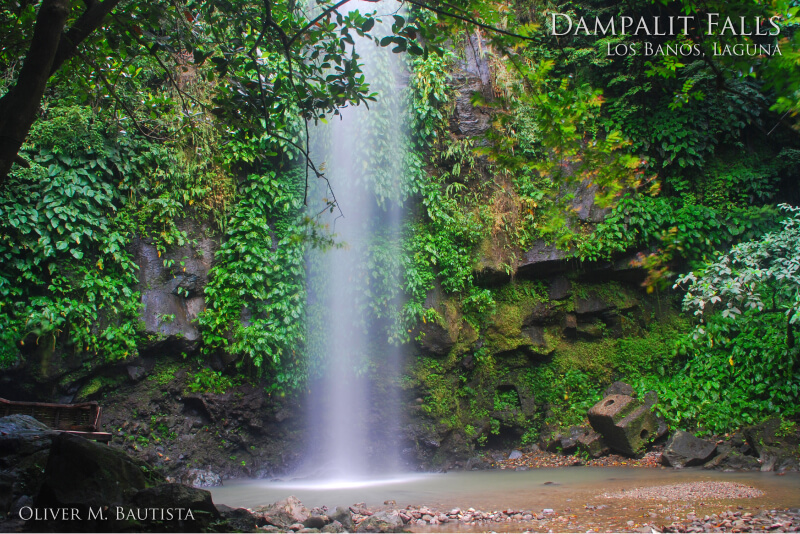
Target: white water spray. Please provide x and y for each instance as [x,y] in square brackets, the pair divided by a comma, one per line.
[354,430]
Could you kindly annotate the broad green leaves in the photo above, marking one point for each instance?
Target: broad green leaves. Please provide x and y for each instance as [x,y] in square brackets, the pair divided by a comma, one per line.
[67,277]
[255,299]
[742,357]
[762,275]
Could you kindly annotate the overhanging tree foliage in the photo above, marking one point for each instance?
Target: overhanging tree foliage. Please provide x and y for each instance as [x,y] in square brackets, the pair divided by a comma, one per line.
[319,71]
[164,111]
[50,47]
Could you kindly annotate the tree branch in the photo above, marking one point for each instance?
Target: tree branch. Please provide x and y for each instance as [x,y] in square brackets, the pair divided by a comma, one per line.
[324,14]
[19,106]
[111,91]
[89,21]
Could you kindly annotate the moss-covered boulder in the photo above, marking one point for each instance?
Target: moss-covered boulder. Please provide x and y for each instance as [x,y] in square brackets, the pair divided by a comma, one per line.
[440,329]
[625,423]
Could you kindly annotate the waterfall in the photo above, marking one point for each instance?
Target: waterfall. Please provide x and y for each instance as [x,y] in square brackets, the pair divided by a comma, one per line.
[355,287]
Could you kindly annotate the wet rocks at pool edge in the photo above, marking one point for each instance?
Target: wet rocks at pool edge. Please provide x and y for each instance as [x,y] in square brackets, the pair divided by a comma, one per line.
[283,514]
[385,521]
[769,446]
[776,444]
[359,518]
[686,450]
[578,439]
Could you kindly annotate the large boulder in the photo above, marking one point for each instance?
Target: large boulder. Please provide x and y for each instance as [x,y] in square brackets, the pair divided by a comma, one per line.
[24,448]
[81,473]
[775,442]
[685,450]
[625,423]
[181,500]
[40,468]
[22,436]
[23,433]
[382,522]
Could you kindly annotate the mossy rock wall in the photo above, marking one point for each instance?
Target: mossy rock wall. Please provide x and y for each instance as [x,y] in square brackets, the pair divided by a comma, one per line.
[533,365]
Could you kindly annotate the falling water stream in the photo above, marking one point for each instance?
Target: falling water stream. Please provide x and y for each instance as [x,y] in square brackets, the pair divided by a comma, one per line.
[353,425]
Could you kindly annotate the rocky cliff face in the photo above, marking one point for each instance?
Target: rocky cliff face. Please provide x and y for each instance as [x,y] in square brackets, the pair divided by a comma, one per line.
[199,437]
[471,385]
[474,388]
[172,290]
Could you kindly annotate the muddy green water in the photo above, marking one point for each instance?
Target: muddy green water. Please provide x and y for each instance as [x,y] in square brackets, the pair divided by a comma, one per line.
[558,488]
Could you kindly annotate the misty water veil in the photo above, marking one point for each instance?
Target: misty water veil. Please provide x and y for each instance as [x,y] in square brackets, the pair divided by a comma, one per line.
[354,287]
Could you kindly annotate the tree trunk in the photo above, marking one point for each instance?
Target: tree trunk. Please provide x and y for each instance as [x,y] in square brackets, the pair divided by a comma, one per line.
[19,106]
[88,22]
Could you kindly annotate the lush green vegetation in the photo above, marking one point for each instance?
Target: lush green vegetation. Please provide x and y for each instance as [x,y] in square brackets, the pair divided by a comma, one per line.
[690,155]
[170,114]
[67,274]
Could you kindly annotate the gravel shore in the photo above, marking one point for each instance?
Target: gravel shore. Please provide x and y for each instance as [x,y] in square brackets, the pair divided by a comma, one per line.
[702,506]
[738,521]
[599,519]
[669,508]
[690,491]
